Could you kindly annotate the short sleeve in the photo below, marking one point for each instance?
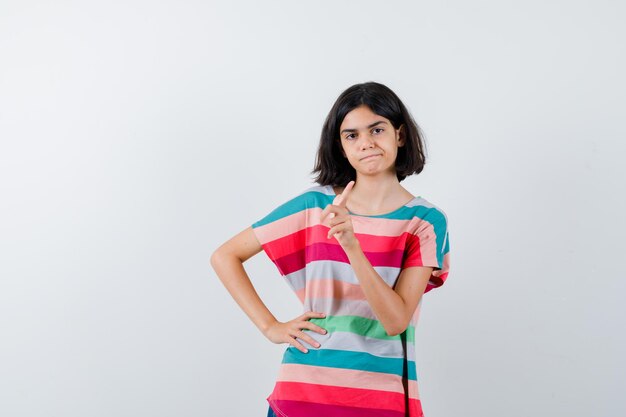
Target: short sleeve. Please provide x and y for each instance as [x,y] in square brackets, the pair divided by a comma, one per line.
[429,245]
[282,234]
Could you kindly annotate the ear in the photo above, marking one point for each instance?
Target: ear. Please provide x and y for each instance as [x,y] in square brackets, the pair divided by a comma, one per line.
[400,136]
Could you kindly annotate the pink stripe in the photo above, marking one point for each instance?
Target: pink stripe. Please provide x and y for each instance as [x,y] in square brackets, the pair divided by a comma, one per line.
[439,276]
[332,288]
[281,227]
[332,251]
[369,242]
[365,225]
[288,408]
[286,239]
[360,308]
[423,249]
[327,394]
[287,245]
[394,231]
[350,378]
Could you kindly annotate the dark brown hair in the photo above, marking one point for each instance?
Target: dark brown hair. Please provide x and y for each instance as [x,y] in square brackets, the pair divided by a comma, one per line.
[330,164]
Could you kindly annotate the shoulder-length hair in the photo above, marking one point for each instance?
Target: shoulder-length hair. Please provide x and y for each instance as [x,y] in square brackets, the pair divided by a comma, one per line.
[333,168]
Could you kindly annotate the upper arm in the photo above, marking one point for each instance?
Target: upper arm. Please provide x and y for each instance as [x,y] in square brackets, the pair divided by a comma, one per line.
[243,245]
[410,286]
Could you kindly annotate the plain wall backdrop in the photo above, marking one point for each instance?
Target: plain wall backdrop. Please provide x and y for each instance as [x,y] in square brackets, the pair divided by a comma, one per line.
[138,136]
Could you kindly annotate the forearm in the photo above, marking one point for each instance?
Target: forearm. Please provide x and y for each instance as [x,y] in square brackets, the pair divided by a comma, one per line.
[231,272]
[387,304]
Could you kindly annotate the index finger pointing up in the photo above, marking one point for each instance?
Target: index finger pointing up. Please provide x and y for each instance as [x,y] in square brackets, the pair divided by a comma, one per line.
[342,199]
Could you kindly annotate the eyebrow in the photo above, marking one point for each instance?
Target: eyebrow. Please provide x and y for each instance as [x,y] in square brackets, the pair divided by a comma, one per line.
[370,126]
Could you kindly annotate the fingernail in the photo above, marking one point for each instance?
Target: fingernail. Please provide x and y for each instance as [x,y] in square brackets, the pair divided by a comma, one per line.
[306,350]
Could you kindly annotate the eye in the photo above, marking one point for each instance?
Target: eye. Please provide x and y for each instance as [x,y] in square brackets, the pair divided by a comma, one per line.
[379,128]
[349,136]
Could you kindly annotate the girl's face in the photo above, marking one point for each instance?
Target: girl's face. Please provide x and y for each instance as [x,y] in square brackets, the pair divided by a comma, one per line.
[369,141]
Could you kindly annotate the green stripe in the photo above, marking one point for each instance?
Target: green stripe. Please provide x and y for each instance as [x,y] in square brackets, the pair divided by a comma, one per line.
[346,359]
[361,326]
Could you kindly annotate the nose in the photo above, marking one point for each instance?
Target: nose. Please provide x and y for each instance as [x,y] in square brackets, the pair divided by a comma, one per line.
[368,142]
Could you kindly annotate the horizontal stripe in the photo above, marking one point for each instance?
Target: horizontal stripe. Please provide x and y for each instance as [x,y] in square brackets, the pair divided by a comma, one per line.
[371,240]
[334,252]
[317,198]
[341,271]
[296,216]
[322,375]
[334,307]
[270,231]
[438,277]
[309,219]
[422,250]
[384,348]
[289,408]
[331,288]
[341,396]
[360,325]
[303,229]
[292,253]
[295,260]
[350,360]
[289,208]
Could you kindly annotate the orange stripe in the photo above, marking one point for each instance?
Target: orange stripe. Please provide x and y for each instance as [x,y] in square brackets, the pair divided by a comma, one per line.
[332,288]
[350,378]
[364,225]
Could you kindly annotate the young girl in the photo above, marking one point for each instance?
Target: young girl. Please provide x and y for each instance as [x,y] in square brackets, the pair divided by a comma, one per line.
[359,251]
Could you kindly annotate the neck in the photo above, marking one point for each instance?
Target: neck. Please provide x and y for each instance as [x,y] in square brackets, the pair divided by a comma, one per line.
[375,191]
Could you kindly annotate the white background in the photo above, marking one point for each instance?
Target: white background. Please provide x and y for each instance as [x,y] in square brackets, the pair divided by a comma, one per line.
[137,136]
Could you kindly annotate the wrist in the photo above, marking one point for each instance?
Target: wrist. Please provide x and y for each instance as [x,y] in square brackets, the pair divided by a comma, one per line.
[352,248]
[264,327]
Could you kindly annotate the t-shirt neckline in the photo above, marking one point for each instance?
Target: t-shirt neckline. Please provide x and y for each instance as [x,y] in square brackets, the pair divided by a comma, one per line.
[332,190]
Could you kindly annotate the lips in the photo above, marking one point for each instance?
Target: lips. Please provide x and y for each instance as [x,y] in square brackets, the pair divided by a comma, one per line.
[369,156]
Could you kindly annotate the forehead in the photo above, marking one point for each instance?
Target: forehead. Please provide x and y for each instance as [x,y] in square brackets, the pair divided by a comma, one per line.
[360,117]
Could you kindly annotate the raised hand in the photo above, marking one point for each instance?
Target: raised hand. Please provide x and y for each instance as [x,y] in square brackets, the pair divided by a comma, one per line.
[340,223]
[287,332]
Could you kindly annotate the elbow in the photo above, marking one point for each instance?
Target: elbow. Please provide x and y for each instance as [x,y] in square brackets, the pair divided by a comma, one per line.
[222,256]
[393,332]
[213,259]
[216,257]
[397,329]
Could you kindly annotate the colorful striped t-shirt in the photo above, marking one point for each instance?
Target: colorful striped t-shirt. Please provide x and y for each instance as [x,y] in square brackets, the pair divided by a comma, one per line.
[359,370]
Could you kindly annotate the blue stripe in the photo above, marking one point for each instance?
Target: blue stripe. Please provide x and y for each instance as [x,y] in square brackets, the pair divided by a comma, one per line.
[313,199]
[345,359]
